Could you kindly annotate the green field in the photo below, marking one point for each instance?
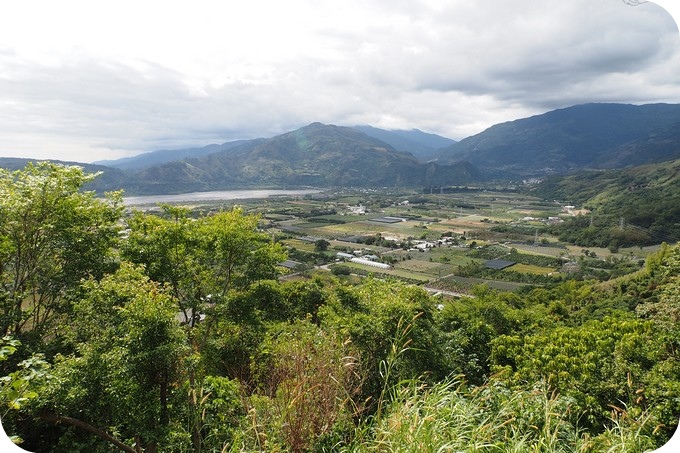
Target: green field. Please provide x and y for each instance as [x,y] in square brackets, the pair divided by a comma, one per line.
[402,273]
[483,218]
[530,269]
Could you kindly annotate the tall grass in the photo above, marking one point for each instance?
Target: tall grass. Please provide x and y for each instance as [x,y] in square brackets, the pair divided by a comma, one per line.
[413,416]
[446,417]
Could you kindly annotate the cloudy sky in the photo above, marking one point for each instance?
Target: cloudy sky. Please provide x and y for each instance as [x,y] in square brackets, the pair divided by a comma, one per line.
[84,80]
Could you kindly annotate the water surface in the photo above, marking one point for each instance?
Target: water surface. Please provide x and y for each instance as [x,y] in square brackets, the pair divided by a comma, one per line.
[218,195]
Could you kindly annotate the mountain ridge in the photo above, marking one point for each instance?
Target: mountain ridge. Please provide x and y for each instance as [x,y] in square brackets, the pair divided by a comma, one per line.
[422,145]
[314,155]
[570,139]
[563,141]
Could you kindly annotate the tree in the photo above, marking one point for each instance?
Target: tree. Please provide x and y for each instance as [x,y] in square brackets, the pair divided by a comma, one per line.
[170,249]
[598,364]
[321,245]
[236,251]
[341,269]
[373,316]
[52,234]
[127,350]
[18,387]
[203,259]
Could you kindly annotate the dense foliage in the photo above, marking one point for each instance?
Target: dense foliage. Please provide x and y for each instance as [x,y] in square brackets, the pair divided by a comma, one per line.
[635,206]
[175,335]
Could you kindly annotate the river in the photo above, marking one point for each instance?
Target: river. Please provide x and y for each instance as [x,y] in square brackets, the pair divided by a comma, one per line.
[218,195]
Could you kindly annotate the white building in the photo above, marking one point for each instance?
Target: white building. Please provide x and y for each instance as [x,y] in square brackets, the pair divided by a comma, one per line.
[370,263]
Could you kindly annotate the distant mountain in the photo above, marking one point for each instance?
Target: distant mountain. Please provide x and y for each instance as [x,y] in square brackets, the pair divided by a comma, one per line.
[574,138]
[110,178]
[589,136]
[168,155]
[315,155]
[421,144]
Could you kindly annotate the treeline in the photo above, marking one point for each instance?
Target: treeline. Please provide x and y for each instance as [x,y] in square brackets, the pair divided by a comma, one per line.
[167,333]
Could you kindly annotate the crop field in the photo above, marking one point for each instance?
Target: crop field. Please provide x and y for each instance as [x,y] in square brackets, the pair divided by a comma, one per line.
[300,245]
[394,272]
[530,269]
[542,250]
[456,283]
[390,225]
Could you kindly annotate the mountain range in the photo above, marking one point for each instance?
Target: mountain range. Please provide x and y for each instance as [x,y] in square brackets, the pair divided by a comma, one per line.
[317,155]
[571,139]
[564,141]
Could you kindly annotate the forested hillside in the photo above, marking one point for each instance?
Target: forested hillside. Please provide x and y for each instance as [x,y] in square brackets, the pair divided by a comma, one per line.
[171,332]
[574,138]
[633,206]
[317,155]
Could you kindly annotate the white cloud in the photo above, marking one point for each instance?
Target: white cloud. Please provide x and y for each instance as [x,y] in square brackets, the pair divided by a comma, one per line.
[84,81]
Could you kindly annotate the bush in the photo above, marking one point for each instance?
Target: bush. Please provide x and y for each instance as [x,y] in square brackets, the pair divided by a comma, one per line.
[341,269]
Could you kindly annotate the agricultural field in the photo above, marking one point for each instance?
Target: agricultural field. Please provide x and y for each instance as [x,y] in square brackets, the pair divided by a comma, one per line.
[439,240]
[442,240]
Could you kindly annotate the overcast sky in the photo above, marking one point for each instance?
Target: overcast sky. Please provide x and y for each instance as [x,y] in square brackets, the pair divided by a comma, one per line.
[84,80]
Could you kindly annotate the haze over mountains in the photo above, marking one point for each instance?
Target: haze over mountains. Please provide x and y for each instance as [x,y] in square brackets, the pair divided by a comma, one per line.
[588,136]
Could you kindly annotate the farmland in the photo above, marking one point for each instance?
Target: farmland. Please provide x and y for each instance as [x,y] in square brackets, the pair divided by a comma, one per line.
[440,240]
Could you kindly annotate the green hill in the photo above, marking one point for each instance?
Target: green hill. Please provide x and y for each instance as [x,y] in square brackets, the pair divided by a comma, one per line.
[646,198]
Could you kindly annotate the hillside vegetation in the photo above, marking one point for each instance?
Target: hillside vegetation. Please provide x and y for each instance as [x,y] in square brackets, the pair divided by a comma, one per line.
[177,336]
[646,199]
[574,138]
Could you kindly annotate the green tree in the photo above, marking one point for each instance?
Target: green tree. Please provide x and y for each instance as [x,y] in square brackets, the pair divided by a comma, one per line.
[203,259]
[18,387]
[236,251]
[469,325]
[374,315]
[171,249]
[52,234]
[601,364]
[321,245]
[341,269]
[128,347]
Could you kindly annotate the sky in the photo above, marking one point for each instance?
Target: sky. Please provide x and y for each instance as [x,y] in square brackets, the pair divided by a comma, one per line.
[85,81]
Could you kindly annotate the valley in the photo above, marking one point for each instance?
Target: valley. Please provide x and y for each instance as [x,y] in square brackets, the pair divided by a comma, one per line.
[443,242]
[332,280]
